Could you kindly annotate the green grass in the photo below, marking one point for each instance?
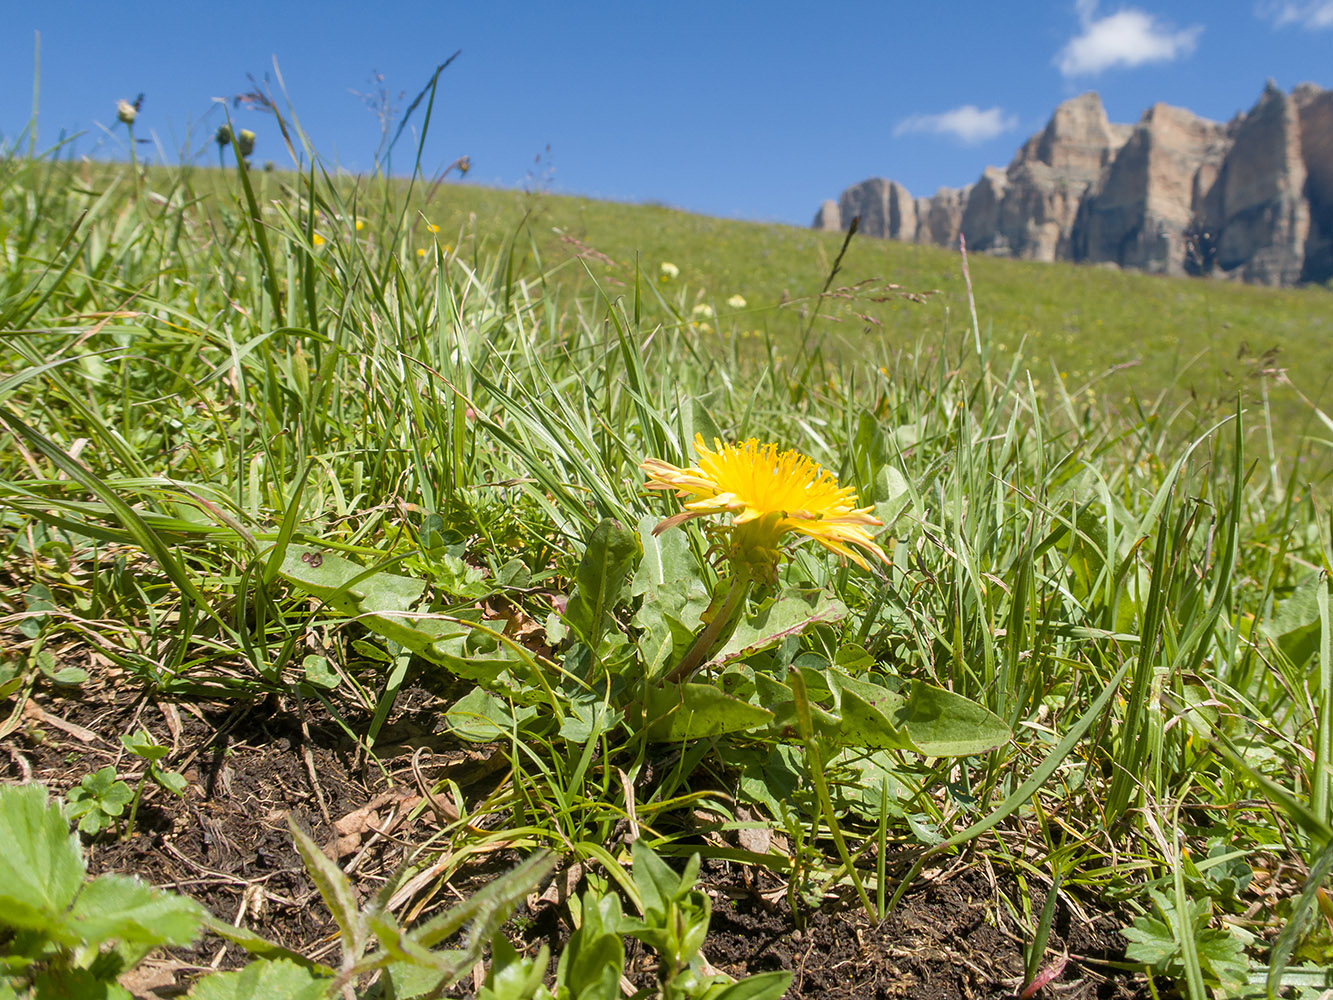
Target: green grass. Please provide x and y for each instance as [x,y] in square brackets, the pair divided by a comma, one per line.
[1111,337]
[1203,340]
[199,398]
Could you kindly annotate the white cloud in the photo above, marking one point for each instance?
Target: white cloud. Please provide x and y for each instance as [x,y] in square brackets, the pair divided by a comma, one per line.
[1129,37]
[1311,14]
[968,124]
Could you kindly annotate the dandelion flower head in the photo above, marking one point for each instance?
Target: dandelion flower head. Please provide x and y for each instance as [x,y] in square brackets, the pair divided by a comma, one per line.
[768,494]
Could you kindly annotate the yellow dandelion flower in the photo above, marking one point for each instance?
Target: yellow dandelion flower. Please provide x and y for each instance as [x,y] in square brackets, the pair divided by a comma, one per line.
[317,240]
[768,494]
[421,251]
[431,227]
[360,225]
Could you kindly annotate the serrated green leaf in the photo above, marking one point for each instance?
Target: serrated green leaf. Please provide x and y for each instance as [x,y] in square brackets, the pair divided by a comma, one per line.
[336,891]
[1150,942]
[41,865]
[261,947]
[262,980]
[493,902]
[120,908]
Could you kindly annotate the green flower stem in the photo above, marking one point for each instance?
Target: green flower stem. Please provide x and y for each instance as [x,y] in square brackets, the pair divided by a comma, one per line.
[807,730]
[134,808]
[717,631]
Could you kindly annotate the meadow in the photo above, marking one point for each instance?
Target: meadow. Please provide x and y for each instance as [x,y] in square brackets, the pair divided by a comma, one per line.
[335,605]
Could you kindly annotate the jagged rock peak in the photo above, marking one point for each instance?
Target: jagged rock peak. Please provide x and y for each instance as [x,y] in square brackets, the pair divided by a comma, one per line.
[1078,139]
[1173,193]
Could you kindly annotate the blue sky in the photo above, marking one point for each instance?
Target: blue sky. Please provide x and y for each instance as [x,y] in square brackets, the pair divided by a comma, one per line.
[755,111]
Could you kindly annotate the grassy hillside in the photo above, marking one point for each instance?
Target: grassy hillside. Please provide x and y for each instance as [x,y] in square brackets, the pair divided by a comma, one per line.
[1109,335]
[1111,338]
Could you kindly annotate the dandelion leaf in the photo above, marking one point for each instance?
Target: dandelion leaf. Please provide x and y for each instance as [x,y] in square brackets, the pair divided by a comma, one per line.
[944,724]
[694,711]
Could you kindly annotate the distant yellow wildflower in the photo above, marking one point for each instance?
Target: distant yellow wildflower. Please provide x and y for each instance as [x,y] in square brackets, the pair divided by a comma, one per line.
[737,301]
[667,271]
[702,311]
[317,240]
[768,494]
[421,251]
[431,227]
[360,225]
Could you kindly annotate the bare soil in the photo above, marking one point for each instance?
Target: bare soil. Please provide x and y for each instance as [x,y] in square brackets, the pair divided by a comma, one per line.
[252,765]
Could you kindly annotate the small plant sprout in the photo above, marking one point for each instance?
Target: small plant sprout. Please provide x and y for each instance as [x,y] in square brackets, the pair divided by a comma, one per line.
[769,495]
[98,801]
[142,745]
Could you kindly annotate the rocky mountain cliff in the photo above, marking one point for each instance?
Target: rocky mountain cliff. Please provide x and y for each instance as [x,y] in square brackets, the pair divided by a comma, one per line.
[1173,193]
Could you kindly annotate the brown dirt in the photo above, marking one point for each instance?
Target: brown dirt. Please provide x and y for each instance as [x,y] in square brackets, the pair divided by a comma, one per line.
[252,765]
[950,939]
